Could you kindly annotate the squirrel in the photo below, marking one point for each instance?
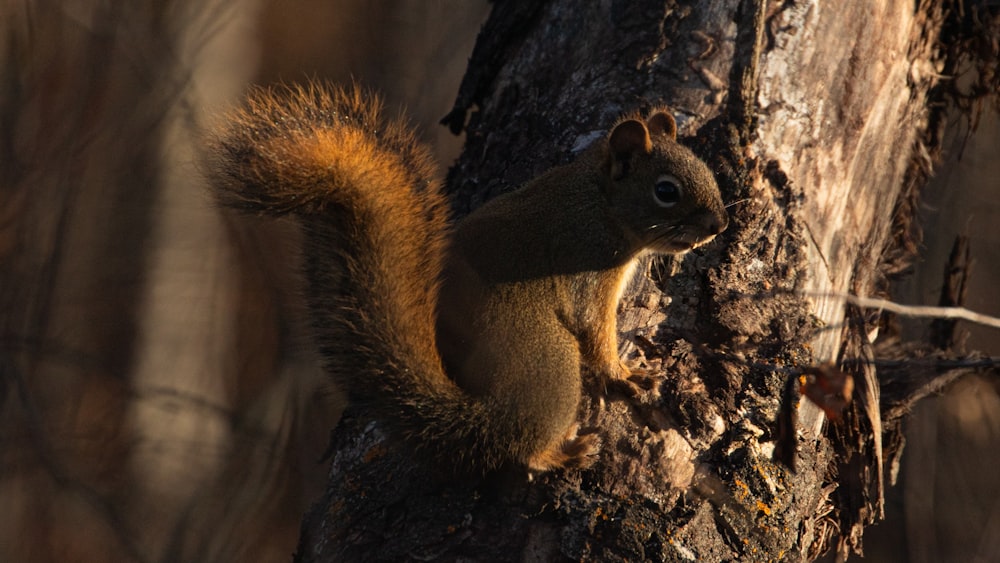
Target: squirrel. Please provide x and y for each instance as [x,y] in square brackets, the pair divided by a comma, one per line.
[466,340]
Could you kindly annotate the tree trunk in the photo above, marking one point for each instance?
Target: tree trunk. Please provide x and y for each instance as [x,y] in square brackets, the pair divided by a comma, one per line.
[812,115]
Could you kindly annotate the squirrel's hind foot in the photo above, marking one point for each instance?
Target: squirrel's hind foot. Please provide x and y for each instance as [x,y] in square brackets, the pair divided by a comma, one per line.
[574,451]
[630,382]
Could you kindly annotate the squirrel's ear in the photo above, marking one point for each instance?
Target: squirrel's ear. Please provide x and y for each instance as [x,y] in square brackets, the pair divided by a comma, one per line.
[628,137]
[662,123]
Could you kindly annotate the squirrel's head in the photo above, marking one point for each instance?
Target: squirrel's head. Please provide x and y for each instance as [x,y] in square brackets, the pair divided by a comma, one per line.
[665,195]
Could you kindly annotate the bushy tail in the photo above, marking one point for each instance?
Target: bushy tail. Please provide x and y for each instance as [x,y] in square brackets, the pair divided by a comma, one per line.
[375,223]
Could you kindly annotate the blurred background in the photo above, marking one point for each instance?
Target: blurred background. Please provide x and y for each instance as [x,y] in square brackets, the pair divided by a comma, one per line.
[158,397]
[159,400]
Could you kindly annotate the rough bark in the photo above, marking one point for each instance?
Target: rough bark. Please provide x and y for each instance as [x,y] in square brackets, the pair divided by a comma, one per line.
[812,115]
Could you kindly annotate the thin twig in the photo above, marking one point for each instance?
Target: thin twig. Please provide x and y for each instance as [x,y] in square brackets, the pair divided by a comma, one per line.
[913,310]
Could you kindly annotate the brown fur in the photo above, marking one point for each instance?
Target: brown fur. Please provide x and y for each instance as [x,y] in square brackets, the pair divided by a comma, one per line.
[531,281]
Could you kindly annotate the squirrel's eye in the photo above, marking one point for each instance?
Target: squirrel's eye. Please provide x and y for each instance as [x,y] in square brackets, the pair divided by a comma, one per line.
[667,191]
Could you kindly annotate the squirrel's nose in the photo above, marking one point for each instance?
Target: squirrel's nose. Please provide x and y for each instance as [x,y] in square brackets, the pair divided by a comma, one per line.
[716,222]
[722,221]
